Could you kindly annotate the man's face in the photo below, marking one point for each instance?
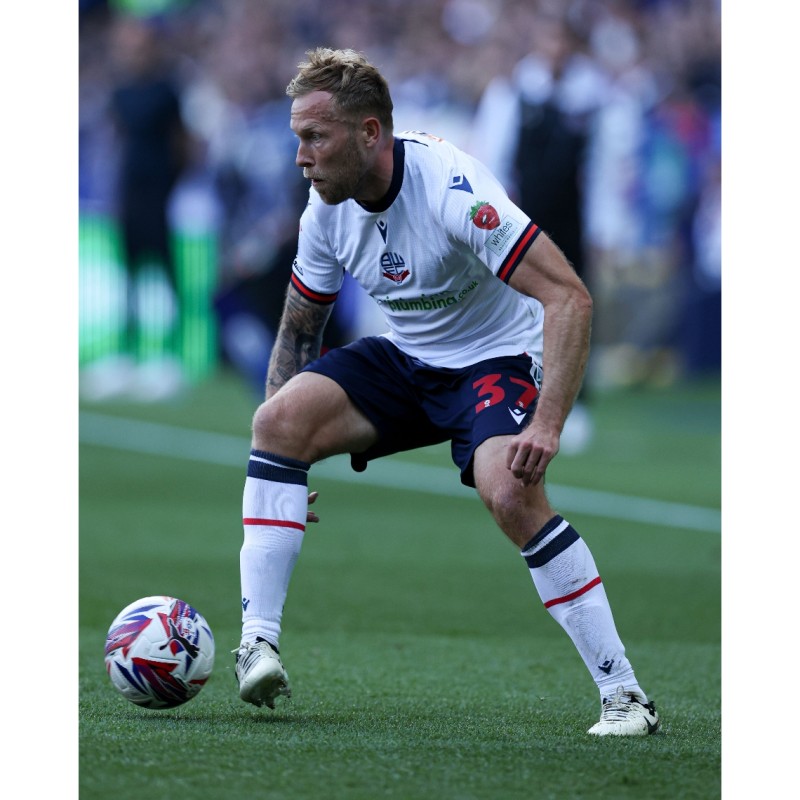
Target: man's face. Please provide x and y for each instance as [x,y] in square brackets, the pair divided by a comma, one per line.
[329,152]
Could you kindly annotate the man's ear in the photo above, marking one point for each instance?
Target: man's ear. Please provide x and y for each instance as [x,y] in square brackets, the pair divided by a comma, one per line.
[371,131]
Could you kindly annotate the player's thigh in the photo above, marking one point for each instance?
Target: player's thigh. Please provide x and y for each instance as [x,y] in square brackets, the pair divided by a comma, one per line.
[311,418]
[520,510]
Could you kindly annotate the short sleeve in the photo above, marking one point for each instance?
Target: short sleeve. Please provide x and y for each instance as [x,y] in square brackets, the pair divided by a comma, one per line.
[478,212]
[316,274]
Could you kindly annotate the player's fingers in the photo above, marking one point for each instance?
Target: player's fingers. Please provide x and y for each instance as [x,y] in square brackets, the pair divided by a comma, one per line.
[310,515]
[544,457]
[530,472]
[537,472]
[511,453]
[520,460]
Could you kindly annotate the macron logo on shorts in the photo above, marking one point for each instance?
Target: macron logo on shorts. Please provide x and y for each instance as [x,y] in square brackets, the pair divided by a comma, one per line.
[518,414]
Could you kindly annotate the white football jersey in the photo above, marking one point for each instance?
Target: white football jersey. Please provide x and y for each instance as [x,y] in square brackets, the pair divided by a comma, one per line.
[436,255]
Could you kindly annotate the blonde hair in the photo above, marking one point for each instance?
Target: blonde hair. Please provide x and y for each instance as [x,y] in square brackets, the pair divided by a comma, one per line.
[356,86]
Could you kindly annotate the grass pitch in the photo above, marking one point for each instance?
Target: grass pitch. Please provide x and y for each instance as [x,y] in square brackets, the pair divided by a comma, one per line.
[422,662]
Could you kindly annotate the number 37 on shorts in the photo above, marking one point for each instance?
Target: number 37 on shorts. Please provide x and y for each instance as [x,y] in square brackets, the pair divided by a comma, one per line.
[497,388]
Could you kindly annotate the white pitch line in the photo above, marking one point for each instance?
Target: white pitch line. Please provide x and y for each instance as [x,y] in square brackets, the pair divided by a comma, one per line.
[224,450]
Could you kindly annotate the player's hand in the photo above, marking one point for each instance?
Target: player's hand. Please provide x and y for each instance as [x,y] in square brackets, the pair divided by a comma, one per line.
[311,516]
[529,454]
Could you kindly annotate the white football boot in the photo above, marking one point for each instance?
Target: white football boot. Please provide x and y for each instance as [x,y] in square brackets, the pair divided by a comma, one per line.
[626,714]
[260,674]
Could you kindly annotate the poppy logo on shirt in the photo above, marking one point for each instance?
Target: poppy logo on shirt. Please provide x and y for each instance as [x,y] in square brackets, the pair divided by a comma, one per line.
[393,266]
[484,216]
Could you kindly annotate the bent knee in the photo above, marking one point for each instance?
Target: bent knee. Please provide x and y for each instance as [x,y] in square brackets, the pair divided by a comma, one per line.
[277,429]
[504,500]
[519,511]
[309,419]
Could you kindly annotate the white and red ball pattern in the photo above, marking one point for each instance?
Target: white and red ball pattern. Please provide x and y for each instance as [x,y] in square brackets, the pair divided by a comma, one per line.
[159,652]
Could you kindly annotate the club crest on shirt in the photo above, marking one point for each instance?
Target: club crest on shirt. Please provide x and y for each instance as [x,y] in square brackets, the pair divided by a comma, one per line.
[393,267]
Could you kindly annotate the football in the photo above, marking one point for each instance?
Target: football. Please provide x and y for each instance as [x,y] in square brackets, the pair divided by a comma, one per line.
[159,652]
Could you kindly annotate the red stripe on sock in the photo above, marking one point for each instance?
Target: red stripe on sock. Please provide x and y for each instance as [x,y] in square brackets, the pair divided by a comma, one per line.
[278,523]
[567,597]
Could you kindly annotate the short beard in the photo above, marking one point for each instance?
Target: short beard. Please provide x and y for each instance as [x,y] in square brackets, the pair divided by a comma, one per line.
[344,182]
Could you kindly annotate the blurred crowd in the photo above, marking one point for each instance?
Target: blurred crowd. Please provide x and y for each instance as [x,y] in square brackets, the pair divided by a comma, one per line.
[601,117]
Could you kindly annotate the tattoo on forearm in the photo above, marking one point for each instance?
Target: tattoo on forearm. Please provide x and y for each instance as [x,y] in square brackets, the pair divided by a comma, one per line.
[299,339]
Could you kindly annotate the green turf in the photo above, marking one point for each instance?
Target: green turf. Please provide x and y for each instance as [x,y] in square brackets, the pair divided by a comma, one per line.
[422,662]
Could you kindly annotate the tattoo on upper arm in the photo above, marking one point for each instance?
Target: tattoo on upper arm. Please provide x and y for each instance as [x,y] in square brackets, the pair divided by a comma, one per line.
[299,339]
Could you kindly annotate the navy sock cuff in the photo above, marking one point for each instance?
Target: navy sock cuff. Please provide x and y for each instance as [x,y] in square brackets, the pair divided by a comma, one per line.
[554,547]
[284,461]
[548,527]
[280,469]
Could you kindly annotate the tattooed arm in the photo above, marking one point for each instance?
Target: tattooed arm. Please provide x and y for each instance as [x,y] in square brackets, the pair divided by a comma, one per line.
[299,339]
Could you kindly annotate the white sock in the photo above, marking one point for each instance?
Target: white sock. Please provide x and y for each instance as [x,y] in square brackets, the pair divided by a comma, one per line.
[565,575]
[274,508]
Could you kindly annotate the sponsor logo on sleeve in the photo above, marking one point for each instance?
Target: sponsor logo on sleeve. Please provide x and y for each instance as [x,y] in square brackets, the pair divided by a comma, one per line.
[503,235]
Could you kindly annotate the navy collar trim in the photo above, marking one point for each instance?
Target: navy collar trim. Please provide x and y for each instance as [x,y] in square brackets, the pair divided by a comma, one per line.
[399,153]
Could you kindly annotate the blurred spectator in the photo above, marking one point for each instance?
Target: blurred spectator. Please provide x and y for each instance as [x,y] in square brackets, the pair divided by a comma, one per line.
[631,284]
[145,107]
[702,322]
[152,144]
[238,107]
[653,144]
[547,106]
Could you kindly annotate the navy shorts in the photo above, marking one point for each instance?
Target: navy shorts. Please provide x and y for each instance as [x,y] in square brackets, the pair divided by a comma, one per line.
[412,404]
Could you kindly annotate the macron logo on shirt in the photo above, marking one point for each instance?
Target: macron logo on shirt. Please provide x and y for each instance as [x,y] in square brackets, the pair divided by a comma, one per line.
[460,182]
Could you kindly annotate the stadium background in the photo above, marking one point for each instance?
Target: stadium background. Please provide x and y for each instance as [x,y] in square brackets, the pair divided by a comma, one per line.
[651,177]
[160,464]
